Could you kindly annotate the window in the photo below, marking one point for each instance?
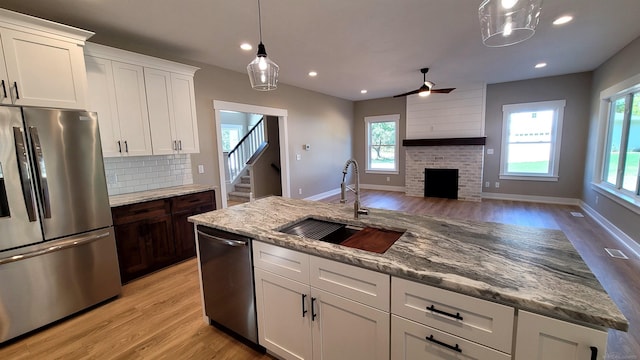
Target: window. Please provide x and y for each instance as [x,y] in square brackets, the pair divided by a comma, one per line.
[622,148]
[531,134]
[231,135]
[382,143]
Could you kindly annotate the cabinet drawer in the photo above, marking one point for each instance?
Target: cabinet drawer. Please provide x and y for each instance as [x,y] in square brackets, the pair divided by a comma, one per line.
[410,340]
[365,286]
[481,321]
[140,211]
[284,262]
[192,201]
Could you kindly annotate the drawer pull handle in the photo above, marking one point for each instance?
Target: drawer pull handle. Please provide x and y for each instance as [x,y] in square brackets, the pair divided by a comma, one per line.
[454,348]
[456,316]
[304,311]
[313,312]
[594,352]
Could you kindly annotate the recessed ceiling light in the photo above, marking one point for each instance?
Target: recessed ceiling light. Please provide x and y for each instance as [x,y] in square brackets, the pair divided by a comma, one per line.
[540,65]
[246,46]
[363,91]
[313,73]
[562,20]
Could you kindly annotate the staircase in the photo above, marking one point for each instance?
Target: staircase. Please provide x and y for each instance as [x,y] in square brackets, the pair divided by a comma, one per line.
[242,190]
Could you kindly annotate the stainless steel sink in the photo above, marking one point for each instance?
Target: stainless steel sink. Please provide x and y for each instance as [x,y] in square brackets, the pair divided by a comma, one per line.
[322,230]
[368,238]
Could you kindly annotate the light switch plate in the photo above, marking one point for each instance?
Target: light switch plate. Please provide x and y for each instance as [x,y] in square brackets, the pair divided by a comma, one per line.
[200,169]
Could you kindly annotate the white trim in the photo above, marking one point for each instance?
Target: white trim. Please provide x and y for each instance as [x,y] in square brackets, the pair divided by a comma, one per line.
[627,201]
[26,23]
[529,177]
[323,195]
[556,135]
[282,114]
[628,85]
[383,187]
[531,198]
[110,53]
[613,230]
[376,119]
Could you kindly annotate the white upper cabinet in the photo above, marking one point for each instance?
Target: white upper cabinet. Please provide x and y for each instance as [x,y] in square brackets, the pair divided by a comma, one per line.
[41,63]
[154,107]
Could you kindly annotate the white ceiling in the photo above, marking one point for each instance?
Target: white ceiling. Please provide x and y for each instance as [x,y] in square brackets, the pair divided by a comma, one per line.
[378,45]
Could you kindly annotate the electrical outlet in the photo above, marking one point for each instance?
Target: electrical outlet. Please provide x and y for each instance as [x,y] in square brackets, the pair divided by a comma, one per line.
[489,151]
[497,184]
[487,184]
[200,169]
[597,199]
[388,178]
[299,191]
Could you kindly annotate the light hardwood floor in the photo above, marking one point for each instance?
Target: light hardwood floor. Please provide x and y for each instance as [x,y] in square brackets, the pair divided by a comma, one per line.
[160,316]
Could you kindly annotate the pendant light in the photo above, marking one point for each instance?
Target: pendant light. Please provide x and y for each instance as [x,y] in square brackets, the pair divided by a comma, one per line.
[263,73]
[508,22]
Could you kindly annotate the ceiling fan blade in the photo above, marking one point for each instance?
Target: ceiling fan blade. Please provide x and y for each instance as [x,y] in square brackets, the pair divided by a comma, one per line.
[408,93]
[442,91]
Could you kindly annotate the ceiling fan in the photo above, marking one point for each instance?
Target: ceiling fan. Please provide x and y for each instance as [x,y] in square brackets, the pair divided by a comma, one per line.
[427,87]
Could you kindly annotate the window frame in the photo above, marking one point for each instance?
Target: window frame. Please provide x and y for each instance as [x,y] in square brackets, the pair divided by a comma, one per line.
[368,120]
[238,127]
[557,106]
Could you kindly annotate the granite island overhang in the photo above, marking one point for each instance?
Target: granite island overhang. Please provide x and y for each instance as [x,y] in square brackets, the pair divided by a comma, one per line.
[528,268]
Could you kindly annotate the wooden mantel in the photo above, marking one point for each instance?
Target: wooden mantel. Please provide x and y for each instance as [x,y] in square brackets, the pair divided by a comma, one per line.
[445,141]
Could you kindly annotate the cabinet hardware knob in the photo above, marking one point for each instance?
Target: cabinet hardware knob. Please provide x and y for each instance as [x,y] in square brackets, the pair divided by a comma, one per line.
[313,311]
[454,348]
[15,84]
[304,311]
[455,316]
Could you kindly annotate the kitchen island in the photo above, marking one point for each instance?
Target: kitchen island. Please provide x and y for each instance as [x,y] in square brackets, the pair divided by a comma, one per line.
[530,269]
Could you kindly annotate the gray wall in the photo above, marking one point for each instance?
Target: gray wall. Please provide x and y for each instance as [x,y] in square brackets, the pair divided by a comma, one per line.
[618,68]
[325,122]
[575,89]
[383,106]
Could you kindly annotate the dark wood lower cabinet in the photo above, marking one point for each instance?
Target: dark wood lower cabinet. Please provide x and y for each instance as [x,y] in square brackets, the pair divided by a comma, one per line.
[154,234]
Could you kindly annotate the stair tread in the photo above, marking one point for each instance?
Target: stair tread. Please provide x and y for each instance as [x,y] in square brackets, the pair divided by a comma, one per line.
[246,186]
[240,194]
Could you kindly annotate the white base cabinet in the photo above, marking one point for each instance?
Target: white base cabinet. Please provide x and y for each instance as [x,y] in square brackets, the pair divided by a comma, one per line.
[41,63]
[299,321]
[542,338]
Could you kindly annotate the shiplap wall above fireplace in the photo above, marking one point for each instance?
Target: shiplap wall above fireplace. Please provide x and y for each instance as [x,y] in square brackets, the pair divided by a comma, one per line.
[454,115]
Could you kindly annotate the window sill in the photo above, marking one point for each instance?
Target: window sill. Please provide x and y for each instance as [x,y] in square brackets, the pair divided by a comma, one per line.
[386,172]
[528,177]
[627,201]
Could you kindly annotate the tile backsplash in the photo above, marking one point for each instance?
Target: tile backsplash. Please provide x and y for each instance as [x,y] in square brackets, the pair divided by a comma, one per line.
[140,173]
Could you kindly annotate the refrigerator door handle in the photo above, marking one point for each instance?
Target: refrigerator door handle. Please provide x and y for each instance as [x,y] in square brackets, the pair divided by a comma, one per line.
[23,169]
[64,245]
[41,172]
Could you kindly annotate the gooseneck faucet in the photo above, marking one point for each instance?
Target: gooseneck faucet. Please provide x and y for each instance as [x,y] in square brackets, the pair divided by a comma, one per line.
[343,188]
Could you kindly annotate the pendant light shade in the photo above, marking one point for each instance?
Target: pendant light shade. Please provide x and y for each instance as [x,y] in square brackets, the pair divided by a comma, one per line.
[263,72]
[508,22]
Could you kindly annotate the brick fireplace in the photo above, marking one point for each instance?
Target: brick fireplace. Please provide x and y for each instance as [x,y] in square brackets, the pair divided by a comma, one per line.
[464,154]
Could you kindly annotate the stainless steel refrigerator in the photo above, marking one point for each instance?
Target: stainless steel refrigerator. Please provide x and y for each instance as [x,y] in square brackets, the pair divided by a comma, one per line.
[57,245]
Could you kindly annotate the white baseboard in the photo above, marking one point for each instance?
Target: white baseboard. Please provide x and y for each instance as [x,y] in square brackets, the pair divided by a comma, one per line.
[323,195]
[383,187]
[531,198]
[613,230]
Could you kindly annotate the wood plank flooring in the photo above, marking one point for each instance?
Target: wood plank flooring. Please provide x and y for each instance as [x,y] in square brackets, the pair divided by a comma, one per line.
[160,316]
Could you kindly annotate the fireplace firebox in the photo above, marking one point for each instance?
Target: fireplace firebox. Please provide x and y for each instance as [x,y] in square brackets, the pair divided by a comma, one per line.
[441,183]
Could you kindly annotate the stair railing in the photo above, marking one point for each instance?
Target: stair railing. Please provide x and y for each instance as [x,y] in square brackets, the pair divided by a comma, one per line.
[246,147]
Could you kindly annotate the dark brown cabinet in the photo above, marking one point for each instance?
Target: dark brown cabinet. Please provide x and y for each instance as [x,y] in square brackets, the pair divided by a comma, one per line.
[154,234]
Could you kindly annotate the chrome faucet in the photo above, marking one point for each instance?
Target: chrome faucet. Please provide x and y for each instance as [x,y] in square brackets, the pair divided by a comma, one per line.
[357,211]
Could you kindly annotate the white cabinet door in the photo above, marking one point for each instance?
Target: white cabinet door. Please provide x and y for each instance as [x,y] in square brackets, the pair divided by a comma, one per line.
[5,96]
[284,315]
[184,107]
[132,109]
[43,71]
[413,341]
[161,113]
[345,329]
[542,338]
[102,99]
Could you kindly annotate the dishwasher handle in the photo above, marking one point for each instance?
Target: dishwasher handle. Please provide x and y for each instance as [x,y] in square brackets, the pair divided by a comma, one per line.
[228,242]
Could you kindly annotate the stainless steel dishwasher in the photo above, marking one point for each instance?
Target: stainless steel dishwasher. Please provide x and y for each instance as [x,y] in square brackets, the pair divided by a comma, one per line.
[227,281]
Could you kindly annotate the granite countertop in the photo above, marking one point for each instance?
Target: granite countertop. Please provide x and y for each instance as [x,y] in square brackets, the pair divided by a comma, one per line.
[532,269]
[142,196]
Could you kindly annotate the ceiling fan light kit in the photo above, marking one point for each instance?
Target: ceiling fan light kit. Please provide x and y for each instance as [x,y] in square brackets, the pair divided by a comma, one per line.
[263,72]
[508,22]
